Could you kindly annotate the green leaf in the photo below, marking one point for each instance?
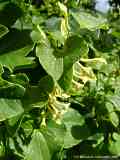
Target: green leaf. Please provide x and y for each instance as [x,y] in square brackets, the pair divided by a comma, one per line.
[16,58]
[71,118]
[98,137]
[36,36]
[37,96]
[1,150]
[66,80]
[74,48]
[53,24]
[74,45]
[27,126]
[54,134]
[115,100]
[9,13]
[86,20]
[53,27]
[114,118]
[38,19]
[46,84]
[14,47]
[38,148]
[10,108]
[19,78]
[34,97]
[80,132]
[10,90]
[58,131]
[3,30]
[52,65]
[57,39]
[12,86]
[114,146]
[109,107]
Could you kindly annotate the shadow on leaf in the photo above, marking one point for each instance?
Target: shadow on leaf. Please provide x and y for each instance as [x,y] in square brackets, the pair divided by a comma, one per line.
[80,132]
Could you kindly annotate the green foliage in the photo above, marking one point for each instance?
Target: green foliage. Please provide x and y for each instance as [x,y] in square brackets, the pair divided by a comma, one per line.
[3,30]
[59,80]
[38,148]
